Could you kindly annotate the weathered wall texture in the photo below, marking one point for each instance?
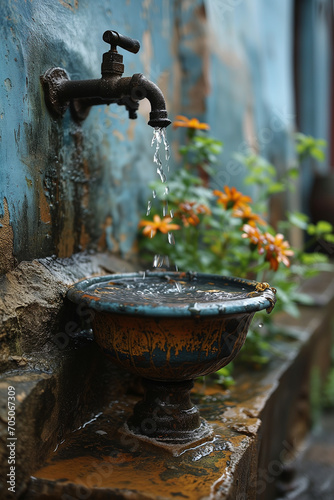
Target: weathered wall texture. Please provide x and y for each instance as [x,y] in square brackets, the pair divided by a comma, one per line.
[66,188]
[251,100]
[62,185]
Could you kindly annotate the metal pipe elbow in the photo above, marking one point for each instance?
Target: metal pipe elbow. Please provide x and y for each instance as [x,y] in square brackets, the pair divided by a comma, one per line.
[141,88]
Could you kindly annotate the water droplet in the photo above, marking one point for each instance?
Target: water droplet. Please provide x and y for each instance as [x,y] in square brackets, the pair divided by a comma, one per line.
[166,190]
[171,213]
[161,261]
[156,158]
[149,206]
[154,193]
[156,260]
[194,308]
[164,138]
[260,325]
[171,239]
[165,208]
[161,174]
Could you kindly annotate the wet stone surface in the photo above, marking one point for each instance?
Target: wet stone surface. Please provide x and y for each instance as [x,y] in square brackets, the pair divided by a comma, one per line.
[103,455]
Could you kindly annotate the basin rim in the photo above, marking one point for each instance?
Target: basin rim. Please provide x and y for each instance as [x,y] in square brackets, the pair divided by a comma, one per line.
[260,300]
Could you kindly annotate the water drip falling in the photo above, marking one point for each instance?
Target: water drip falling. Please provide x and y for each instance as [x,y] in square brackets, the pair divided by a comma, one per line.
[161,261]
[171,239]
[161,174]
[159,138]
[164,138]
[149,206]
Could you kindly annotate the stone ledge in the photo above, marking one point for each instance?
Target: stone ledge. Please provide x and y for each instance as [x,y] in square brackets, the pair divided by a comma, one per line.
[258,426]
[49,363]
[71,385]
[32,306]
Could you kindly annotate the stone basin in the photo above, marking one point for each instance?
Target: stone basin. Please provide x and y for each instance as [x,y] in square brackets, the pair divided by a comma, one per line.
[169,328]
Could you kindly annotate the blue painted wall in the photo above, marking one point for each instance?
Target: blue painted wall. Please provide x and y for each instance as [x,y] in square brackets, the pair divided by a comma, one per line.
[62,185]
[64,188]
[251,103]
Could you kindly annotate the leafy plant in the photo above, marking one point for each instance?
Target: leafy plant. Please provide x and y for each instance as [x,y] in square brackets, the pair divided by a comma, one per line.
[225,232]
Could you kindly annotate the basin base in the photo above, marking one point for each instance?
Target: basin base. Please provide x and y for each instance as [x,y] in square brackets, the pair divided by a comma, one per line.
[167,414]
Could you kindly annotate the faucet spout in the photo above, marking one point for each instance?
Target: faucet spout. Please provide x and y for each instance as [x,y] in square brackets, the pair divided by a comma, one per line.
[142,88]
[60,91]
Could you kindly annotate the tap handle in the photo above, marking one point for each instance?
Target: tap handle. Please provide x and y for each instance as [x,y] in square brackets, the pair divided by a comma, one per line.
[115,39]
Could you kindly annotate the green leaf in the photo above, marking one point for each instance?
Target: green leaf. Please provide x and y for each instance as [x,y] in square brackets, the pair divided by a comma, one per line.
[324,227]
[276,187]
[311,259]
[298,219]
[293,172]
[317,154]
[329,238]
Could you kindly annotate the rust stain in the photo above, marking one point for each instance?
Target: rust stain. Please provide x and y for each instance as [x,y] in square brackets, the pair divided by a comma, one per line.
[44,209]
[70,4]
[85,196]
[85,165]
[29,182]
[119,135]
[164,84]
[84,237]
[66,242]
[7,260]
[131,130]
[146,52]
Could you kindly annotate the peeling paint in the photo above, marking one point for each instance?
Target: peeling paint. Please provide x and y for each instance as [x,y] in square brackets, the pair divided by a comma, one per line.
[44,208]
[70,4]
[29,182]
[8,84]
[76,173]
[7,260]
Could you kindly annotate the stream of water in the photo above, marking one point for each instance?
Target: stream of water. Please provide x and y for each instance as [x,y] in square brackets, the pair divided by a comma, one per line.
[159,140]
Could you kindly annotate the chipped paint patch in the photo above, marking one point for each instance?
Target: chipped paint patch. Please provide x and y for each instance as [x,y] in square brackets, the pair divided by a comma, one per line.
[7,260]
[44,208]
[29,182]
[8,84]
[146,52]
[118,134]
[70,4]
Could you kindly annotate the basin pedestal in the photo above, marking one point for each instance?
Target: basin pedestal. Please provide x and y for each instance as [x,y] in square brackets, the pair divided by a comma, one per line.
[170,328]
[167,414]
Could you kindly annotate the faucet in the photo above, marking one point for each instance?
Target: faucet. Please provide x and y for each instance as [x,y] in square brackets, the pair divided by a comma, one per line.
[61,92]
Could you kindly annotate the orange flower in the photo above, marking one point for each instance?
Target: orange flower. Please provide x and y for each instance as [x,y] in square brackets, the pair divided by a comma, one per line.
[277,250]
[248,217]
[232,198]
[163,225]
[183,121]
[188,212]
[254,234]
